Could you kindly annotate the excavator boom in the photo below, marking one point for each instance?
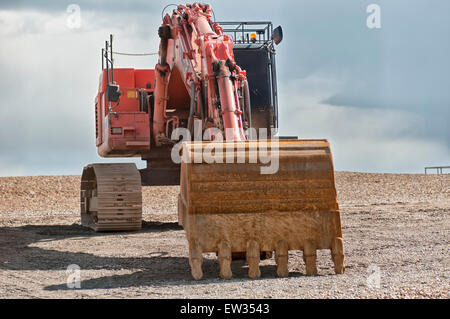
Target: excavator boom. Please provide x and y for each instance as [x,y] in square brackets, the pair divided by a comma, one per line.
[203,58]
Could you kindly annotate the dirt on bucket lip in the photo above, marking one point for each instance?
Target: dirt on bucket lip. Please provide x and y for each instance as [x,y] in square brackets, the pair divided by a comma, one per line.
[396,230]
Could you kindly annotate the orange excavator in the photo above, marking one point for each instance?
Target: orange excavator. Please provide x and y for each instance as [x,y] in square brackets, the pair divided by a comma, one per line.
[206,118]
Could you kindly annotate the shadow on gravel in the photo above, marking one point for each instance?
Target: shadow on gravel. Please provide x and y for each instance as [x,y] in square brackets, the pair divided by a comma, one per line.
[17,252]
[158,226]
[155,269]
[172,271]
[58,232]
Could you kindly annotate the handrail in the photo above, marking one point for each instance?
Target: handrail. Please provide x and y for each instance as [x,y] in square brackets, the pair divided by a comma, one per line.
[437,168]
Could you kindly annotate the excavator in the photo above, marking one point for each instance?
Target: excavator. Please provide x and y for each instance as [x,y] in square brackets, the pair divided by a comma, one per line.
[206,118]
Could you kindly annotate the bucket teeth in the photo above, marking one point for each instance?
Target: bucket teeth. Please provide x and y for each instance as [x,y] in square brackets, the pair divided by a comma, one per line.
[235,207]
[253,257]
[281,258]
[310,256]
[111,198]
[224,257]
[195,259]
[337,254]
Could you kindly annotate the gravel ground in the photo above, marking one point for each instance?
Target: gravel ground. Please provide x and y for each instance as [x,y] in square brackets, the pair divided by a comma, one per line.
[395,228]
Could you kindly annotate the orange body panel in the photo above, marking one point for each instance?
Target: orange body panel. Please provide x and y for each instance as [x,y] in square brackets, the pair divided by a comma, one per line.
[126,131]
[144,78]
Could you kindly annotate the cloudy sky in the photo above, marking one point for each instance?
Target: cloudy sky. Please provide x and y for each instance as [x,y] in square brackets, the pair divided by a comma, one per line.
[381,96]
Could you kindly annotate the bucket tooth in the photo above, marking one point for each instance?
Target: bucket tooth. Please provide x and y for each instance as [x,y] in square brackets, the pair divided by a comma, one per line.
[274,195]
[253,258]
[337,254]
[281,258]
[195,259]
[310,256]
[224,257]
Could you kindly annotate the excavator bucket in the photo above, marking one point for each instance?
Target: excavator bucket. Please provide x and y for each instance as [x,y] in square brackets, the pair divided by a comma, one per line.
[245,203]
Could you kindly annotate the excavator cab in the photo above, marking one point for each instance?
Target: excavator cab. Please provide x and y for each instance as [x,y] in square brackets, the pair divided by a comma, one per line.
[254,52]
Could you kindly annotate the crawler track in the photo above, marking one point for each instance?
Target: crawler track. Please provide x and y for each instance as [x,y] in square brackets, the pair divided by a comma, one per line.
[111,197]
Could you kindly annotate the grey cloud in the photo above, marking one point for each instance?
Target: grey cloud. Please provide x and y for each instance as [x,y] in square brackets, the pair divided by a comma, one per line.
[387,89]
[98,5]
[410,71]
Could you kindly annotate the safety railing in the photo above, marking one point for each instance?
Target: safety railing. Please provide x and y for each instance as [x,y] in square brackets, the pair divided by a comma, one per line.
[249,32]
[439,169]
